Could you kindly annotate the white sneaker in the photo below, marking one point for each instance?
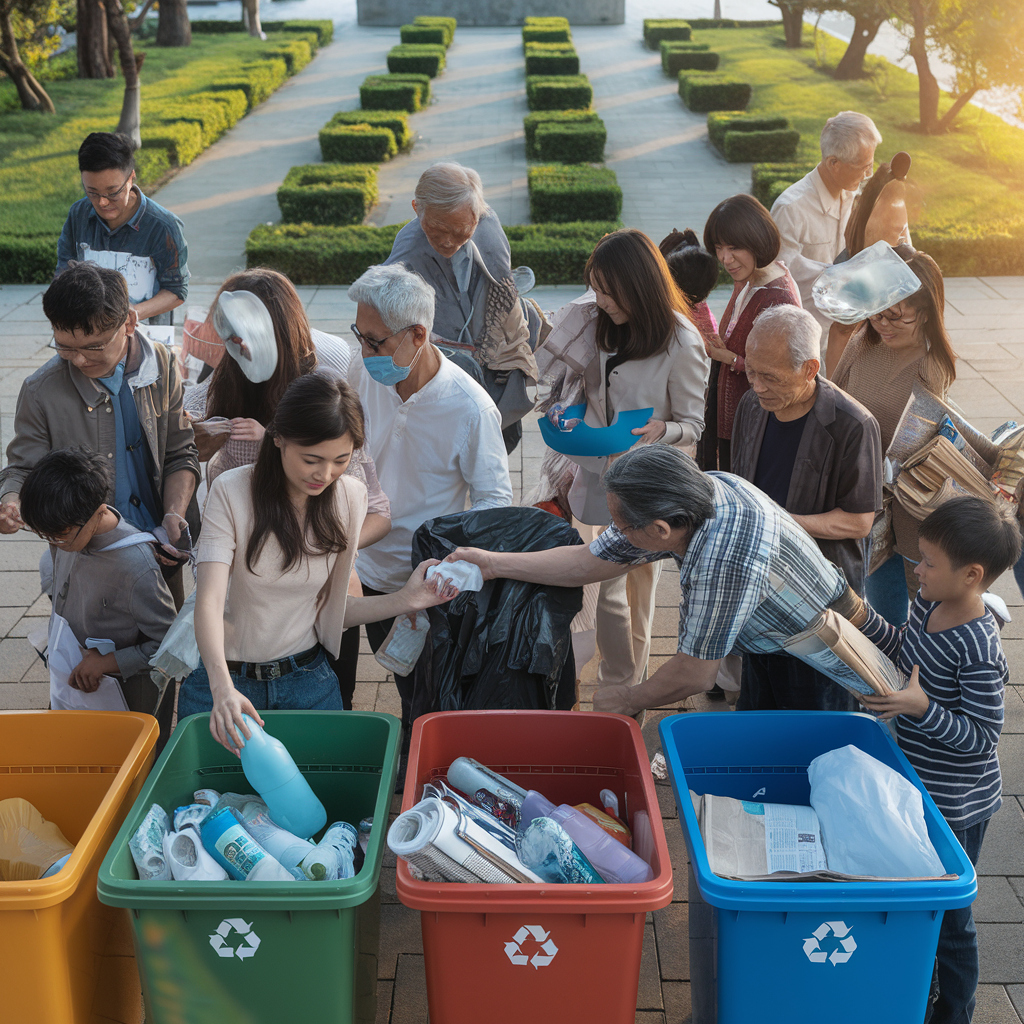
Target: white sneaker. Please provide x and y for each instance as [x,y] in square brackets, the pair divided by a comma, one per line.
[188,859]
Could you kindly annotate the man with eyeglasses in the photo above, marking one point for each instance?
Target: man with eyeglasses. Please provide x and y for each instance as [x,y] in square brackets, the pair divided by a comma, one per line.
[116,226]
[111,389]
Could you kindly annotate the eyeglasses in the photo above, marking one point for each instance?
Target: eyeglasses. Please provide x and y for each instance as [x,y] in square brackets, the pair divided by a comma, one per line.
[892,318]
[111,197]
[370,343]
[70,350]
[59,541]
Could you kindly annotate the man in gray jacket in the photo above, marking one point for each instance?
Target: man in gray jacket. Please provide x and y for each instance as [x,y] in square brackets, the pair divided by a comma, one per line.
[111,389]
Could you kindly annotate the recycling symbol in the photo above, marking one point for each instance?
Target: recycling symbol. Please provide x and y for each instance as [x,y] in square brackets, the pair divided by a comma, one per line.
[542,957]
[250,940]
[839,955]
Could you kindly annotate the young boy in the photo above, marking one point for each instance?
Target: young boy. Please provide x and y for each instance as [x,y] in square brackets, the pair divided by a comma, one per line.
[949,717]
[105,584]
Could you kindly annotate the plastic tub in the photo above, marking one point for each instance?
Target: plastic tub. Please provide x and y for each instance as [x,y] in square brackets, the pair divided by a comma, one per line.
[505,953]
[764,940]
[263,952]
[67,959]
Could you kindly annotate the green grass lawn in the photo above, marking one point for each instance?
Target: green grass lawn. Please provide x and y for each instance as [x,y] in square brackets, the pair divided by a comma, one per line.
[972,179]
[38,152]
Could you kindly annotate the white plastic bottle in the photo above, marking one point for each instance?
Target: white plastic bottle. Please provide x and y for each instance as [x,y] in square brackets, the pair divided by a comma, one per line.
[286,848]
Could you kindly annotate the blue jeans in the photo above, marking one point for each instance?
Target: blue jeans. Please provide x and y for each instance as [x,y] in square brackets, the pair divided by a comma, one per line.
[886,591]
[313,687]
[957,957]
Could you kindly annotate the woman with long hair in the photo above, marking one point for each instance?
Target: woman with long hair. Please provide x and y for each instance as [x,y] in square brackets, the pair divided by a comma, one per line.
[902,347]
[281,534]
[742,234]
[631,343]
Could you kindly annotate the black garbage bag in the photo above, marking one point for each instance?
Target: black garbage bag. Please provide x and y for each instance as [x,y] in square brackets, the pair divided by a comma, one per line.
[508,646]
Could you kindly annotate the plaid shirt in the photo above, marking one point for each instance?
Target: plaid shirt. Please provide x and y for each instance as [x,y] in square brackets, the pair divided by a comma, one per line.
[750,577]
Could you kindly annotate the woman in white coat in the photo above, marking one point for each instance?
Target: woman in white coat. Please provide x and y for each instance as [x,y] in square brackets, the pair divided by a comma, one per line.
[628,343]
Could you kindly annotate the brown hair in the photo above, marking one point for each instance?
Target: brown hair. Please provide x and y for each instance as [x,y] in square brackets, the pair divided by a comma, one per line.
[231,392]
[930,300]
[315,407]
[742,222]
[864,204]
[629,268]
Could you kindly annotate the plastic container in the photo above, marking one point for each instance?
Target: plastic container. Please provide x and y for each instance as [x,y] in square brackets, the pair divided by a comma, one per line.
[830,951]
[220,952]
[66,958]
[504,953]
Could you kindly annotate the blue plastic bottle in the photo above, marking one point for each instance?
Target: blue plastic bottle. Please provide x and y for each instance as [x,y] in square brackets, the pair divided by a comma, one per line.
[271,771]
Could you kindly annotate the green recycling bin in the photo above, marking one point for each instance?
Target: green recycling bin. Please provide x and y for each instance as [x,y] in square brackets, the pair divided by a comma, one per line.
[263,952]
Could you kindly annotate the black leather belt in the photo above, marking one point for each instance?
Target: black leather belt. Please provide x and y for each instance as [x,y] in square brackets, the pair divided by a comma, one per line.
[274,669]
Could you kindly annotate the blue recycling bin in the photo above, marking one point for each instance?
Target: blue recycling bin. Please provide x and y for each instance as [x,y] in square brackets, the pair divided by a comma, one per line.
[792,951]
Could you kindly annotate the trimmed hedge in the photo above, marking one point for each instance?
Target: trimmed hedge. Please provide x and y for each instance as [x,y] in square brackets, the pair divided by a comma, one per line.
[560,193]
[397,122]
[424,34]
[703,91]
[552,59]
[723,121]
[765,179]
[546,30]
[557,253]
[27,260]
[419,59]
[447,25]
[323,29]
[395,92]
[328,193]
[234,100]
[210,116]
[296,53]
[674,61]
[657,29]
[558,92]
[257,79]
[151,165]
[741,147]
[700,23]
[357,143]
[531,122]
[571,143]
[962,251]
[182,140]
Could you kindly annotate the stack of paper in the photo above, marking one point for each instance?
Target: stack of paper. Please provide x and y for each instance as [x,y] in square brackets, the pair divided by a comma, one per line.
[936,473]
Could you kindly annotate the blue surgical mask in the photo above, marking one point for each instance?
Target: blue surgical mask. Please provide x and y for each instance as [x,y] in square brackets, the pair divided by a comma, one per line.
[384,371]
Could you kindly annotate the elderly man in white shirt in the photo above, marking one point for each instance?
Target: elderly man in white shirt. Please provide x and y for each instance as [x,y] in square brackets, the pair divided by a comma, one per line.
[812,213]
[433,432]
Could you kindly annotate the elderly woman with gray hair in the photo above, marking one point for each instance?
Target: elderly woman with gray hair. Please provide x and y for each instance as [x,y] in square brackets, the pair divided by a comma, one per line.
[456,244]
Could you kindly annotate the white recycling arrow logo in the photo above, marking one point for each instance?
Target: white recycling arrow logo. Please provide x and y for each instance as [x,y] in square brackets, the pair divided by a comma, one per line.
[840,955]
[544,955]
[246,949]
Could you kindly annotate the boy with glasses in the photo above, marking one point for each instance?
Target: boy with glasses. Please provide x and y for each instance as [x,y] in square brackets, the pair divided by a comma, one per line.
[118,227]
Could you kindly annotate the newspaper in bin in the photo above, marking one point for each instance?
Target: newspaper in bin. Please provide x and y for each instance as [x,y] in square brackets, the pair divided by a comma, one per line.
[837,649]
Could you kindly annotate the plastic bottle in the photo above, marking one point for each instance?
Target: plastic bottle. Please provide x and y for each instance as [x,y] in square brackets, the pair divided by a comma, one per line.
[284,847]
[496,794]
[547,850]
[334,856]
[272,772]
[613,861]
[226,840]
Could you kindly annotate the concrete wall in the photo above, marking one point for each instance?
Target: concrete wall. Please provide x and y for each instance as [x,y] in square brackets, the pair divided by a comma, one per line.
[491,12]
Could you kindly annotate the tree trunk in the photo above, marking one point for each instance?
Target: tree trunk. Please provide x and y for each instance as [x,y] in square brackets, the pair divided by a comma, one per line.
[93,44]
[251,17]
[173,27]
[852,63]
[718,10]
[792,23]
[958,104]
[31,94]
[131,115]
[927,86]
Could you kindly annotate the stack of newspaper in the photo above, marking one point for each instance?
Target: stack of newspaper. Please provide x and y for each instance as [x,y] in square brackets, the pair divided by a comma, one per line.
[937,473]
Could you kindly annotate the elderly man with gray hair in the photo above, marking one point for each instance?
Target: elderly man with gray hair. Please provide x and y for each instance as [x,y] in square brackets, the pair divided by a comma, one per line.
[812,213]
[818,453]
[456,244]
[749,576]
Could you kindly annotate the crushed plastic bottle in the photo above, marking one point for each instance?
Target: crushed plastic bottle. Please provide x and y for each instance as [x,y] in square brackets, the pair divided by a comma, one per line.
[147,846]
[547,849]
[496,794]
[334,856]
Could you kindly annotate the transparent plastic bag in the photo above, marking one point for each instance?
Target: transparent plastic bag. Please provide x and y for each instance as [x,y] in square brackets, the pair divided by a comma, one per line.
[29,844]
[873,280]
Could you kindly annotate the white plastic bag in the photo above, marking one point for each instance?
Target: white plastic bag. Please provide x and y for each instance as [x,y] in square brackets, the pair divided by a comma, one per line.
[872,818]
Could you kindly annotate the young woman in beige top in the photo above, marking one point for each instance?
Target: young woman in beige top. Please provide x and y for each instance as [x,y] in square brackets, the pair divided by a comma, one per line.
[903,346]
[283,534]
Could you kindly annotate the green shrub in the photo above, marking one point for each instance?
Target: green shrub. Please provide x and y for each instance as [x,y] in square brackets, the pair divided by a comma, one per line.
[695,60]
[561,193]
[965,251]
[328,193]
[557,253]
[216,26]
[764,177]
[296,53]
[702,91]
[314,254]
[424,34]
[571,143]
[182,140]
[780,144]
[406,92]
[669,49]
[558,92]
[421,59]
[234,102]
[257,79]
[552,59]
[702,23]
[27,260]
[323,28]
[397,122]
[546,30]
[531,122]
[657,29]
[210,116]
[447,24]
[722,121]
[357,144]
[151,165]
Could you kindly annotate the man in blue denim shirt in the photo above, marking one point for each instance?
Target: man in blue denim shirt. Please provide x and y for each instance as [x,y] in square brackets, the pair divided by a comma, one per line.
[116,226]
